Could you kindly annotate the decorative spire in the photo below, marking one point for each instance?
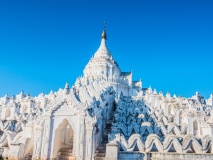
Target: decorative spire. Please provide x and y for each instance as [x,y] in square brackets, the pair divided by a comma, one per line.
[104,36]
[103,50]
[67,88]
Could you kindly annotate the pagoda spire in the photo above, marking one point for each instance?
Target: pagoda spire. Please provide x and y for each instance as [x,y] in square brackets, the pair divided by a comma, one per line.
[103,50]
[104,36]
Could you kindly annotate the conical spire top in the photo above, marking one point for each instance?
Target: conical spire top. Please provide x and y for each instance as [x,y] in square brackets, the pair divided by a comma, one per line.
[102,61]
[104,36]
[103,50]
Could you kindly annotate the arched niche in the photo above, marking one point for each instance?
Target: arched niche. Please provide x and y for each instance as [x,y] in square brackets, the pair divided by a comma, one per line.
[64,120]
[23,109]
[63,138]
[169,109]
[7,113]
[180,117]
[195,127]
[172,111]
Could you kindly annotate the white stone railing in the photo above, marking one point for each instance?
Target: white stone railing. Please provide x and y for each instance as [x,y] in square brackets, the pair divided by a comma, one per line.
[181,145]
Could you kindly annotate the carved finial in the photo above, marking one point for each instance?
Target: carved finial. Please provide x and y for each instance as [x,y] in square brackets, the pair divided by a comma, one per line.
[67,88]
[22,93]
[104,36]
[41,94]
[51,92]
[13,97]
[67,85]
[6,95]
[150,88]
[28,96]
[167,94]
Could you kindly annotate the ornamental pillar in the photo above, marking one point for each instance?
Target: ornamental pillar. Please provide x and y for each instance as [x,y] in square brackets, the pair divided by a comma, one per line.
[111,151]
[89,142]
[37,142]
[94,142]
[207,129]
[16,152]
[46,138]
[81,138]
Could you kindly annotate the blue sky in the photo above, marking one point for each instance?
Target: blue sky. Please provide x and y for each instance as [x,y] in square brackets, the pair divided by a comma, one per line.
[168,44]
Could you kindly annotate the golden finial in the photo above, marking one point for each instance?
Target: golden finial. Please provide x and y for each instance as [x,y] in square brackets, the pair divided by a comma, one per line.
[104,36]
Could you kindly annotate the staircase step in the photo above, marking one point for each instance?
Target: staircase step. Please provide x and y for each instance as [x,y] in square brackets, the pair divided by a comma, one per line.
[102,148]
[100,151]
[28,157]
[65,154]
[100,154]
[66,150]
[66,158]
[99,158]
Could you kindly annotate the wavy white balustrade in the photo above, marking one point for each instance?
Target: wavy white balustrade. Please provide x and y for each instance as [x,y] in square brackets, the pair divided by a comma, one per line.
[170,142]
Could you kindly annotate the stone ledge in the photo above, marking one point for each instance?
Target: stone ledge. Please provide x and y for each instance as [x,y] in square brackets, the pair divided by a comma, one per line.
[176,156]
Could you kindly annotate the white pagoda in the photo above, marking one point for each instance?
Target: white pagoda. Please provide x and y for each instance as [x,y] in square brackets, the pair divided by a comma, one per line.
[106,115]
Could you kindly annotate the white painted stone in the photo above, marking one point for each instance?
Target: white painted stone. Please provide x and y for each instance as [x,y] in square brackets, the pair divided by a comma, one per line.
[73,121]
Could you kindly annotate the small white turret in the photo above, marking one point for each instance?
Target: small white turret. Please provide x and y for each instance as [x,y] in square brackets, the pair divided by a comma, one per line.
[210,100]
[66,88]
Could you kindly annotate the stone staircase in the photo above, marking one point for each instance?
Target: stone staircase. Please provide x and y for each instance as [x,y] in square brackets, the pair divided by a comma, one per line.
[100,152]
[65,152]
[28,157]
